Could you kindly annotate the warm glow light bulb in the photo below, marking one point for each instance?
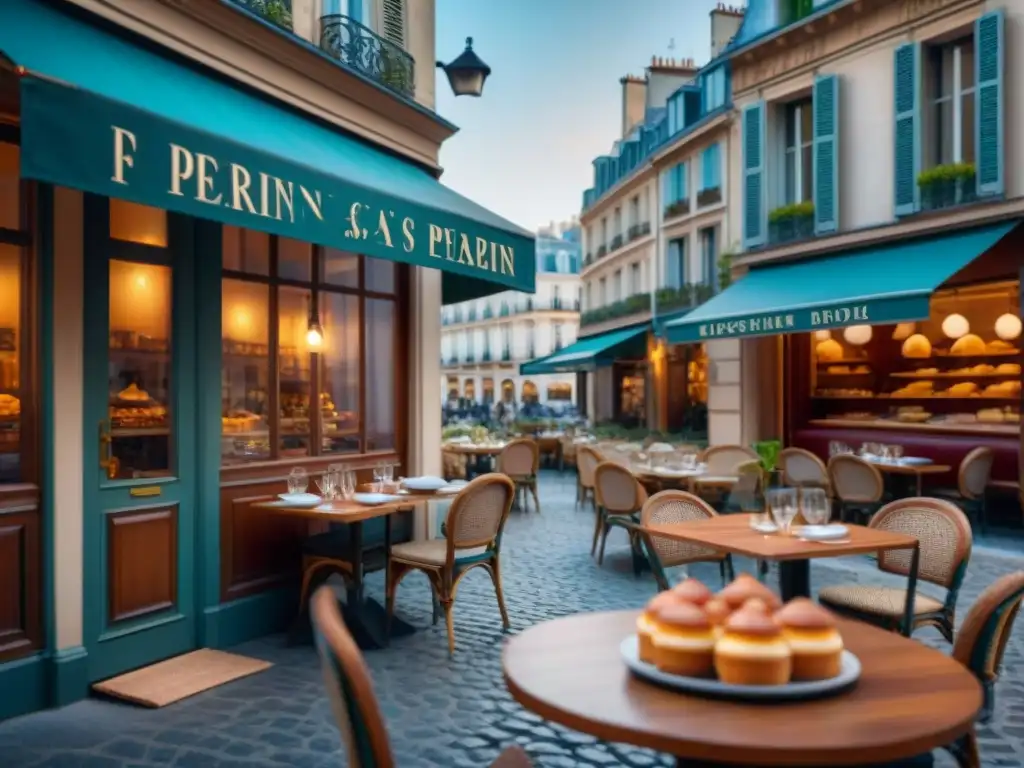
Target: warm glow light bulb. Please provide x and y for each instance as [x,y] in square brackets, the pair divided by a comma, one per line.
[858,335]
[822,335]
[1008,327]
[314,338]
[955,326]
[903,331]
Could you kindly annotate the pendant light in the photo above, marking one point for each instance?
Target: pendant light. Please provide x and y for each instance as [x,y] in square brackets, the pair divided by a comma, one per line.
[955,326]
[314,331]
[822,335]
[858,335]
[1008,327]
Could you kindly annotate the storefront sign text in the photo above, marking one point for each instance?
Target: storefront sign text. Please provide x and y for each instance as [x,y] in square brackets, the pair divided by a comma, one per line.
[790,322]
[207,180]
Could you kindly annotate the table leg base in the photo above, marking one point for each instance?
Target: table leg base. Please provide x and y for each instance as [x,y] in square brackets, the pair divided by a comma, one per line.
[794,579]
[367,623]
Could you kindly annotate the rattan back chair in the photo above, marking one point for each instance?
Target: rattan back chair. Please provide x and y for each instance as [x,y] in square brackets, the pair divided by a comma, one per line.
[620,497]
[678,507]
[587,459]
[858,486]
[520,460]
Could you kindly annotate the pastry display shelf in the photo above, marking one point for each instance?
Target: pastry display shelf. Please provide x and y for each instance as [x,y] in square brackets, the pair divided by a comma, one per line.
[951,375]
[1007,428]
[914,399]
[943,355]
[846,361]
[117,432]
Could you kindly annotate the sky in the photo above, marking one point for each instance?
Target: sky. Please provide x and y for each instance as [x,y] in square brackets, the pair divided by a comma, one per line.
[553,101]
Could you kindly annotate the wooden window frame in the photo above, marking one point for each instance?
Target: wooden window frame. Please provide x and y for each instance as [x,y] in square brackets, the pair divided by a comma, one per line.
[317,286]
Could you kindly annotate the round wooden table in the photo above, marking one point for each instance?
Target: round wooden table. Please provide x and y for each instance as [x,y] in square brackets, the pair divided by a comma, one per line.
[910,699]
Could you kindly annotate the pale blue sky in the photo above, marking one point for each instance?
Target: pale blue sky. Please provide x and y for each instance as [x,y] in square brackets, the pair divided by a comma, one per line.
[553,101]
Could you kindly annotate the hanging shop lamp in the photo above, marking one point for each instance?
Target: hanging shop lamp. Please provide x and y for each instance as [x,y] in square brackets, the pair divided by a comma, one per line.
[858,335]
[822,335]
[955,326]
[1008,327]
[314,331]
[467,73]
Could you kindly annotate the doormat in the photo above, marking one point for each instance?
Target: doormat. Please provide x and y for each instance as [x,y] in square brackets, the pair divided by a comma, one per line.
[175,679]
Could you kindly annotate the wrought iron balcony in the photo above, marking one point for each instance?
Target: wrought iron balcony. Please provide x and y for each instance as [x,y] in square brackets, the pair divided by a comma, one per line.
[359,48]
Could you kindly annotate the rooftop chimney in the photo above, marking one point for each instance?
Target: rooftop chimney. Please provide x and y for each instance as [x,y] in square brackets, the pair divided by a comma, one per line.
[725,23]
[634,102]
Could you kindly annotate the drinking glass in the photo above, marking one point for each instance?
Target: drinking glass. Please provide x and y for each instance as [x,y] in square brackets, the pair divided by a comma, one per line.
[298,481]
[388,473]
[327,484]
[814,506]
[378,478]
[782,502]
[348,484]
[897,453]
[689,461]
[834,448]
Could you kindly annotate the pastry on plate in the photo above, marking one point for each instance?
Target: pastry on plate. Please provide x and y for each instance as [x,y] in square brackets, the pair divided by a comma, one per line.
[813,638]
[692,591]
[718,612]
[647,624]
[744,587]
[753,650]
[684,643]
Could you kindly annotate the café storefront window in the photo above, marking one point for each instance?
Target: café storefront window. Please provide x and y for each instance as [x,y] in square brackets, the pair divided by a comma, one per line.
[284,395]
[15,369]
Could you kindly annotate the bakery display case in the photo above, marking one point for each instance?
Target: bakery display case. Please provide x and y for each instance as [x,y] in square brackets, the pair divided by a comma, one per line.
[10,364]
[245,372]
[139,370]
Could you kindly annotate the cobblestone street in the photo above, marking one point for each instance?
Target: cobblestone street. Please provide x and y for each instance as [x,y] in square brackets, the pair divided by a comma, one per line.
[440,712]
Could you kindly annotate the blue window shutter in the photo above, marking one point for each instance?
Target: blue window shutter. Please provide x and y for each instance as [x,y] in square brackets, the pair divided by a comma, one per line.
[988,114]
[754,209]
[907,151]
[826,154]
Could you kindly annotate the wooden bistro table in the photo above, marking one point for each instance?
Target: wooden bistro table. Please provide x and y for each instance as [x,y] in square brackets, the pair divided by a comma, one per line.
[365,617]
[915,470]
[474,454]
[909,700]
[732,533]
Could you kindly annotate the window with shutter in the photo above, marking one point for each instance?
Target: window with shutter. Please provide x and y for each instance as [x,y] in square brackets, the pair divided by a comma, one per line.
[907,149]
[826,154]
[393,21]
[754,207]
[988,114]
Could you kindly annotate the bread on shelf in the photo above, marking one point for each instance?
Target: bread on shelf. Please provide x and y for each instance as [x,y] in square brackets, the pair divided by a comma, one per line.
[828,351]
[1008,368]
[917,346]
[969,344]
[998,345]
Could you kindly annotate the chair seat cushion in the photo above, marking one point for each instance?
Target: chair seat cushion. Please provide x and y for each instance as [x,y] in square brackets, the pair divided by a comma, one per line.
[877,601]
[432,552]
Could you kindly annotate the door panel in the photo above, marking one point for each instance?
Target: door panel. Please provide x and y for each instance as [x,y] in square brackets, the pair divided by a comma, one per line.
[140,390]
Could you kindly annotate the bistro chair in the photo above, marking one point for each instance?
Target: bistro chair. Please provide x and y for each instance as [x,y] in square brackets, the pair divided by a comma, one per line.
[858,486]
[747,493]
[720,463]
[944,536]
[802,469]
[520,460]
[972,484]
[669,507]
[472,539]
[587,459]
[620,497]
[567,452]
[353,701]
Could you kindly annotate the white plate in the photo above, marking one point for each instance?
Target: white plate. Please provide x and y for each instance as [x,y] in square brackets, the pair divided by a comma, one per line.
[823,532]
[373,499]
[424,483]
[914,461]
[307,500]
[765,526]
[798,691]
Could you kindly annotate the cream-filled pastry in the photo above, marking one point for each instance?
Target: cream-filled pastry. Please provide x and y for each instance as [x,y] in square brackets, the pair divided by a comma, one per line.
[692,591]
[813,638]
[744,587]
[753,650]
[684,642]
[647,624]
[718,612]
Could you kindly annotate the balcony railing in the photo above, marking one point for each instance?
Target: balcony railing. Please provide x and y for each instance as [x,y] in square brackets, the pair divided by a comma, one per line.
[506,355]
[277,12]
[587,258]
[631,305]
[602,251]
[790,223]
[359,48]
[616,242]
[709,196]
[469,358]
[684,297]
[678,208]
[638,230]
[486,356]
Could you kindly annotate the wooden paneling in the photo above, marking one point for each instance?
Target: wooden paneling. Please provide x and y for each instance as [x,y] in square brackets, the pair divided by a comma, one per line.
[20,572]
[142,552]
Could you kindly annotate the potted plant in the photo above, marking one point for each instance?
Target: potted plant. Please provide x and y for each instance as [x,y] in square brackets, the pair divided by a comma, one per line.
[725,269]
[947,185]
[791,222]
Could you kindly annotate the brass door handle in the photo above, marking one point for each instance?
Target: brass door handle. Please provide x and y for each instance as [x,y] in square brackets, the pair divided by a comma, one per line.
[107,459]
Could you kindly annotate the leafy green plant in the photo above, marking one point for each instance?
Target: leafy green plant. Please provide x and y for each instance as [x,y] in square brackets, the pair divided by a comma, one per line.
[725,268]
[277,12]
[689,295]
[631,305]
[768,451]
[947,174]
[790,212]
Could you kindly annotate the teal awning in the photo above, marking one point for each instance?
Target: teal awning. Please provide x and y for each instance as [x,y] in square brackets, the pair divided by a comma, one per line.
[101,114]
[886,284]
[592,352]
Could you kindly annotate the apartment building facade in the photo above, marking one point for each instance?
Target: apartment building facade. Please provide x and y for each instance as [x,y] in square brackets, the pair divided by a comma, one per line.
[877,179]
[223,254]
[485,341]
[654,230]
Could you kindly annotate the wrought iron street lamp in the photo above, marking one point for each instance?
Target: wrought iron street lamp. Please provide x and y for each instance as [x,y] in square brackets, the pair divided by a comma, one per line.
[467,73]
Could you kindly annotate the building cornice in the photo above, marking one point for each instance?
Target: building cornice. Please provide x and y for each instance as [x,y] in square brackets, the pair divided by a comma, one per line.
[921,225]
[641,175]
[834,31]
[684,145]
[619,254]
[160,21]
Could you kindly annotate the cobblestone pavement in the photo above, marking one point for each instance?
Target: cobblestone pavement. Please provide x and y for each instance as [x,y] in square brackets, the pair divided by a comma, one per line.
[440,712]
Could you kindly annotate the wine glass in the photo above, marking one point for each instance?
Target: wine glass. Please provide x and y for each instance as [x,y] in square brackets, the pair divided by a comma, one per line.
[814,506]
[782,502]
[348,484]
[327,484]
[378,477]
[298,481]
[388,473]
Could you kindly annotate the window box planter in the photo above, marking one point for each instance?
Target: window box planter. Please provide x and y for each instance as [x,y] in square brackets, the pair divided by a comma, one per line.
[678,208]
[602,251]
[791,222]
[616,242]
[645,228]
[684,297]
[631,305]
[709,196]
[945,186]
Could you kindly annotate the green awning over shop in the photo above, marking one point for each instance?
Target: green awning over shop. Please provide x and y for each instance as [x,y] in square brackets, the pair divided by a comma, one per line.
[104,115]
[885,284]
[592,352]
